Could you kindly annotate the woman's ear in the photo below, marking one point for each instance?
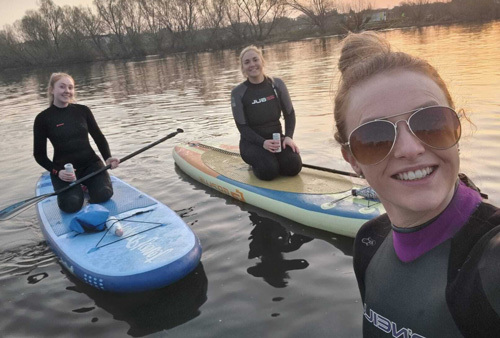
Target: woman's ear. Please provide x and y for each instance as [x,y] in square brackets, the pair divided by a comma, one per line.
[352,161]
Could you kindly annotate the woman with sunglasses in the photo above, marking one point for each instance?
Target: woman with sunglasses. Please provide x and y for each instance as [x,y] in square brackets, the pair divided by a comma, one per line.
[257,104]
[430,267]
[67,126]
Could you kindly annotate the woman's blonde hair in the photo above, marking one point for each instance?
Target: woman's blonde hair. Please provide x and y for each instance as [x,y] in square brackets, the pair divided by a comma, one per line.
[364,55]
[52,81]
[256,50]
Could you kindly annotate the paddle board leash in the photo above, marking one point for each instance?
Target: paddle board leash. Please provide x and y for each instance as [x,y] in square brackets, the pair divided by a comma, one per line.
[366,192]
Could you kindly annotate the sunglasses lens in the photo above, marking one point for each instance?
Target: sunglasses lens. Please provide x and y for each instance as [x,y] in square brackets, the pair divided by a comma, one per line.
[438,127]
[370,143]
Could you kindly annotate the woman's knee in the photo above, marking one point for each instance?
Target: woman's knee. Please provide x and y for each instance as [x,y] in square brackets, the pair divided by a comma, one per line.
[70,203]
[266,174]
[291,169]
[290,165]
[102,194]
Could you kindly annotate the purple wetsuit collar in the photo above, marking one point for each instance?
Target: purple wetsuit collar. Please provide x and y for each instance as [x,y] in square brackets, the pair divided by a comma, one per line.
[411,245]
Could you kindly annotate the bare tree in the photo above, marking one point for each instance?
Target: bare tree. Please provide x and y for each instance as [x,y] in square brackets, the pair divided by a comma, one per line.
[235,16]
[93,27]
[262,15]
[214,17]
[185,20]
[34,28]
[12,50]
[54,17]
[113,17]
[355,14]
[319,12]
[416,10]
[155,17]
[36,36]
[133,22]
[73,28]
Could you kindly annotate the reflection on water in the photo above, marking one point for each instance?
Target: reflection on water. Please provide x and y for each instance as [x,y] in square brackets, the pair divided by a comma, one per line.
[281,281]
[269,240]
[153,311]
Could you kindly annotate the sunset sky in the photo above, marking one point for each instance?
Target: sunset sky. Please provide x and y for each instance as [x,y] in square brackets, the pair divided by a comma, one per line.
[12,10]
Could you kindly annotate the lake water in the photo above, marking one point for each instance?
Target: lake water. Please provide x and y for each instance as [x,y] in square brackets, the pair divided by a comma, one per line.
[248,284]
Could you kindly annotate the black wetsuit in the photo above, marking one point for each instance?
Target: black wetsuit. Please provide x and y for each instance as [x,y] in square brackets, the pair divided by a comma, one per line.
[450,290]
[257,110]
[68,129]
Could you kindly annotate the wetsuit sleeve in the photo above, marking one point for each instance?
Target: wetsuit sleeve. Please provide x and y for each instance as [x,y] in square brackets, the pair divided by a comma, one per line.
[473,291]
[489,269]
[286,106]
[40,146]
[245,130]
[97,135]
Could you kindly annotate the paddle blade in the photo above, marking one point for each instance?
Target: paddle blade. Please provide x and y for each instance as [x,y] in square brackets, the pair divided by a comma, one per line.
[17,208]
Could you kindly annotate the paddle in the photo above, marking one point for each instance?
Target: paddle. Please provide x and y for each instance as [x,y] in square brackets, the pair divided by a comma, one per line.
[18,207]
[330,170]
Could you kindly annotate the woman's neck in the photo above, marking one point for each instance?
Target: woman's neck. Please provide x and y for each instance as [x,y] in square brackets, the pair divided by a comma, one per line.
[405,218]
[257,79]
[60,104]
[411,243]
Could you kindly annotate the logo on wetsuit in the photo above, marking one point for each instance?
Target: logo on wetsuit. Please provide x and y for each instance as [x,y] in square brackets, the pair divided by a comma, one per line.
[263,99]
[387,325]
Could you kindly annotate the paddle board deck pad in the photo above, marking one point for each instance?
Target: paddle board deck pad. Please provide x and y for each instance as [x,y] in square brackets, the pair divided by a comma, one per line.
[156,249]
[315,198]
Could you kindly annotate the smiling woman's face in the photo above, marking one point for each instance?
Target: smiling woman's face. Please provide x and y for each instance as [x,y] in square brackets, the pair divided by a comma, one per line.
[64,91]
[407,202]
[252,66]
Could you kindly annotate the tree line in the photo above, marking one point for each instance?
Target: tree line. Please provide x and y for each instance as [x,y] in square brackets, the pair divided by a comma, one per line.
[118,29]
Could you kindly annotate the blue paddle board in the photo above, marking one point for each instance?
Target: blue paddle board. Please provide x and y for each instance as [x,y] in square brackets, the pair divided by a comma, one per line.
[156,249]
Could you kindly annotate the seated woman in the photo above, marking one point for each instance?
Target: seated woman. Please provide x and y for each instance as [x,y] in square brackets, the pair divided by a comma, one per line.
[430,267]
[67,125]
[257,104]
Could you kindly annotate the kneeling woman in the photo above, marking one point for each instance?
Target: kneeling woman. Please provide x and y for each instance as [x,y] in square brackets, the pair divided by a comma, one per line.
[257,104]
[67,125]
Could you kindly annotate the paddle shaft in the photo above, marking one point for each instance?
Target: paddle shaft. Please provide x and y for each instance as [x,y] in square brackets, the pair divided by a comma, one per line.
[12,209]
[84,178]
[330,170]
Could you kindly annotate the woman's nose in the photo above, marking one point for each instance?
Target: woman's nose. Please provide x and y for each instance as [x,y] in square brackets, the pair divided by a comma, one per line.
[407,145]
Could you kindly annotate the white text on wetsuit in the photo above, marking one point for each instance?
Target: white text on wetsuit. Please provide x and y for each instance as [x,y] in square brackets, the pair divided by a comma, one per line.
[263,99]
[387,325]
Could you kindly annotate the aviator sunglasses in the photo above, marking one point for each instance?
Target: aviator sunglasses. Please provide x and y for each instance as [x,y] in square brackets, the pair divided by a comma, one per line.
[436,126]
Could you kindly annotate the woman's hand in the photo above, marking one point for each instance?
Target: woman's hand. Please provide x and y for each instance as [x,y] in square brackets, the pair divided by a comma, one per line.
[113,161]
[66,176]
[271,145]
[289,142]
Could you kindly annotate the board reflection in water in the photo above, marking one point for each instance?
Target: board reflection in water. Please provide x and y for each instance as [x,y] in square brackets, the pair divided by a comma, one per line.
[153,311]
[269,240]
